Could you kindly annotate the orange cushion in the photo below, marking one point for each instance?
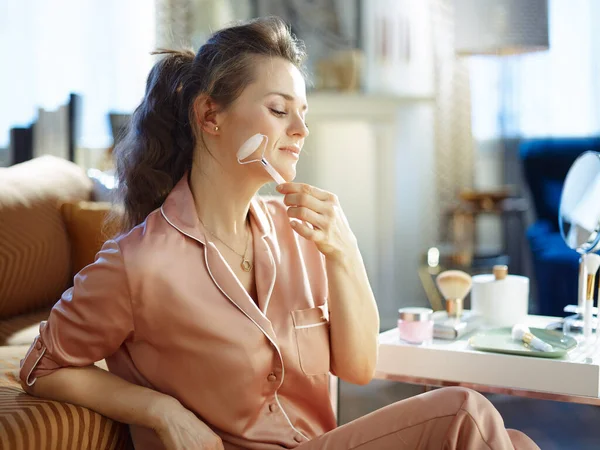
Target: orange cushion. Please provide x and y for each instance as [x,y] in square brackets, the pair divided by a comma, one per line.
[87,230]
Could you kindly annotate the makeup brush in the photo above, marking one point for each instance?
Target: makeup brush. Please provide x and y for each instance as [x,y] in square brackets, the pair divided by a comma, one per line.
[454,286]
[249,147]
[592,262]
[522,333]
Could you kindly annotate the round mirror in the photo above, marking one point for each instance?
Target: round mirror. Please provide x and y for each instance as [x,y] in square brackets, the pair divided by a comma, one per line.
[579,216]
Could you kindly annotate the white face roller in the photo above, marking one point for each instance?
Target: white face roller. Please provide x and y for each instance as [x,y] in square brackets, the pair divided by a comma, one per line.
[251,146]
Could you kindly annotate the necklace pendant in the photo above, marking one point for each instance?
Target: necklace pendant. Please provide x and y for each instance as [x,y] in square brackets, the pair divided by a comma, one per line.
[246,265]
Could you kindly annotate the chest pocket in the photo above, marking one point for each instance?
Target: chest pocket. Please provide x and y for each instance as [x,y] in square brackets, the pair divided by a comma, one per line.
[311,328]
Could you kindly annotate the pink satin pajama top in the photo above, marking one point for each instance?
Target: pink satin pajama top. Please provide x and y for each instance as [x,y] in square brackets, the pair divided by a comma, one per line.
[164,309]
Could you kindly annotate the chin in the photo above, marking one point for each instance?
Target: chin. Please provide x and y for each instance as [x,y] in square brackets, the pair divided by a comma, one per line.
[284,164]
[288,173]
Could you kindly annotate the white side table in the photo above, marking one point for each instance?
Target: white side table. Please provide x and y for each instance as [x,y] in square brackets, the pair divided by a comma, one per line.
[454,363]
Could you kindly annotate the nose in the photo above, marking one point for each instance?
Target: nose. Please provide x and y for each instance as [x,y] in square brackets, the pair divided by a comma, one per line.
[298,127]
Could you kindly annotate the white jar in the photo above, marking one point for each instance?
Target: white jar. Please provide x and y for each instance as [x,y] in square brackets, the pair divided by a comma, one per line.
[502,299]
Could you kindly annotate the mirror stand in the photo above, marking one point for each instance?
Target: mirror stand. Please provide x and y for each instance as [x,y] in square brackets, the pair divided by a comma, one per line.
[579,223]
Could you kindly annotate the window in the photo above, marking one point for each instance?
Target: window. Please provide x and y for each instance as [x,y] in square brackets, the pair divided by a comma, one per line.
[99,49]
[552,93]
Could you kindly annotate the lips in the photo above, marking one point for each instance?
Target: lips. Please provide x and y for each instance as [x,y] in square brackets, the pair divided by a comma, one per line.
[291,148]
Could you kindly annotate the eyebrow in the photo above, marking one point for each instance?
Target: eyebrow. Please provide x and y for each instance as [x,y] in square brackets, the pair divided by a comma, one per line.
[287,97]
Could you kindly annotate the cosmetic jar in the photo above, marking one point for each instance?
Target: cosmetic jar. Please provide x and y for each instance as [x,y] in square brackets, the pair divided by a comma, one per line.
[502,299]
[415,325]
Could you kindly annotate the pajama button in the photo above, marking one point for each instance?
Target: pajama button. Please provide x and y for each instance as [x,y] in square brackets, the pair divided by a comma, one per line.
[271,377]
[272,407]
[298,438]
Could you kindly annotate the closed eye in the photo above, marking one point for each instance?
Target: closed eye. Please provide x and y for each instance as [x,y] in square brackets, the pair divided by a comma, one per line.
[278,113]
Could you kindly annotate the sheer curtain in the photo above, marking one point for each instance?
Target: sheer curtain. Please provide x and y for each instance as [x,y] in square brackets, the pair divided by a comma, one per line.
[454,158]
[552,93]
[99,49]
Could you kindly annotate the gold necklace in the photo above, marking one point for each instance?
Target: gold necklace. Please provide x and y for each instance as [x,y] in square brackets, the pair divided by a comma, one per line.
[246,265]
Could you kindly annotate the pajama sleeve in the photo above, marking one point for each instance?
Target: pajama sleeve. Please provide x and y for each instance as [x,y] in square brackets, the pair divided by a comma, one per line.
[90,321]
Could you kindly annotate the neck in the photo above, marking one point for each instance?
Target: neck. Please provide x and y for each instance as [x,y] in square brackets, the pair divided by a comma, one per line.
[222,202]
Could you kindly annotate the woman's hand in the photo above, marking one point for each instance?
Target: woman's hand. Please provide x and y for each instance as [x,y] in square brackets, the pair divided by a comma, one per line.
[179,429]
[321,209]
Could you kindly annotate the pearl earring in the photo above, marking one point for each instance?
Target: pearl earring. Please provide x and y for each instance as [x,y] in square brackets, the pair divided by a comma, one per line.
[216,128]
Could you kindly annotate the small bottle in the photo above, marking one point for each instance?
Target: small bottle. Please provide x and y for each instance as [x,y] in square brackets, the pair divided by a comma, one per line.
[415,325]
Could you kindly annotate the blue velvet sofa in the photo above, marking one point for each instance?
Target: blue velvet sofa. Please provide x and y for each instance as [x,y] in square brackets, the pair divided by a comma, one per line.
[546,162]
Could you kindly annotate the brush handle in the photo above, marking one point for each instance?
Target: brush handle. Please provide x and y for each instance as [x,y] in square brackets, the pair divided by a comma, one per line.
[454,307]
[540,345]
[582,283]
[587,319]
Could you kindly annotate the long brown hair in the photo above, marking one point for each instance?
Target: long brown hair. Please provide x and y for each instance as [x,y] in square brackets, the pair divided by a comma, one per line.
[159,145]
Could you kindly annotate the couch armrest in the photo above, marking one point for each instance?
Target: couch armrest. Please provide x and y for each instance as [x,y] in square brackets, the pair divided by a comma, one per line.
[28,422]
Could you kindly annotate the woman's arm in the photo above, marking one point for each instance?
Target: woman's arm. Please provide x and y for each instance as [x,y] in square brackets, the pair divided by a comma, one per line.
[120,400]
[353,315]
[105,393]
[91,321]
[354,319]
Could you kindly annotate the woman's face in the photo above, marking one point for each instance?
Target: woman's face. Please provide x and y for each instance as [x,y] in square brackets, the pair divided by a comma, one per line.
[273,105]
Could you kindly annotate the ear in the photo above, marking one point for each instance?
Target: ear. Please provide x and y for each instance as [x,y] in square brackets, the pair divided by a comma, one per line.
[206,114]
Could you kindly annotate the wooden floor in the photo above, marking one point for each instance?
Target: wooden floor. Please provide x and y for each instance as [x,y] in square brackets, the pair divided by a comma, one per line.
[552,425]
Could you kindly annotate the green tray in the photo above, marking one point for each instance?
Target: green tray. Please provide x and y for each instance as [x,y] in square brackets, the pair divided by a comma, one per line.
[499,340]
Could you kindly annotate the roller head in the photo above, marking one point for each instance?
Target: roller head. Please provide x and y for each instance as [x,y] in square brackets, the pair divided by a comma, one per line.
[250,146]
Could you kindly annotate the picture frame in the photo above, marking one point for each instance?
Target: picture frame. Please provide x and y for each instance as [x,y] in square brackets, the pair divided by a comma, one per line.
[329,28]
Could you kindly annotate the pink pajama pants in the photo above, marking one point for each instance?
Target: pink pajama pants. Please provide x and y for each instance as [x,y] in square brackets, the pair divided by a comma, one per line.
[448,418]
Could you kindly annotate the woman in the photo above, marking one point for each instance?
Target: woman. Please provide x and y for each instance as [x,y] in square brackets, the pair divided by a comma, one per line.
[219,317]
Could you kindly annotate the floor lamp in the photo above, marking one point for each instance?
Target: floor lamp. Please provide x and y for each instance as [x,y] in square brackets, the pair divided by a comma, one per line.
[500,28]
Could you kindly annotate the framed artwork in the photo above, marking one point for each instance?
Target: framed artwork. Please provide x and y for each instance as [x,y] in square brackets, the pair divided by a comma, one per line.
[327,27]
[388,44]
[398,47]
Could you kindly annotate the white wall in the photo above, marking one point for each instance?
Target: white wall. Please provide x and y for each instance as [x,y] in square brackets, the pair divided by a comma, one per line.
[376,154]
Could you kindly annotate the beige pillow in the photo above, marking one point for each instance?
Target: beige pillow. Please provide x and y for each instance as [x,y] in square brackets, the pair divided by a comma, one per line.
[35,264]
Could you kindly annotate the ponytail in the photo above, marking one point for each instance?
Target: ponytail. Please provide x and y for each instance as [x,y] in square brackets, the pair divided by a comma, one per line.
[159,143]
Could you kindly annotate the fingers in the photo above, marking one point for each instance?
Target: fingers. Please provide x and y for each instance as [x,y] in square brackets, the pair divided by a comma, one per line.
[312,234]
[315,210]
[305,200]
[305,214]
[297,188]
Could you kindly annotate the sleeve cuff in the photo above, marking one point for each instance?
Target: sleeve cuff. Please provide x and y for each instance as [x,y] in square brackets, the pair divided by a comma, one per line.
[31,360]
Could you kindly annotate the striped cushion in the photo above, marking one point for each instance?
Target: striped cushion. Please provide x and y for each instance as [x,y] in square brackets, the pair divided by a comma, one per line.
[22,329]
[34,247]
[31,423]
